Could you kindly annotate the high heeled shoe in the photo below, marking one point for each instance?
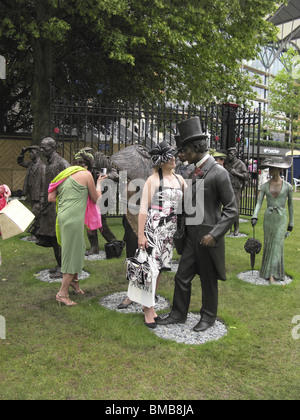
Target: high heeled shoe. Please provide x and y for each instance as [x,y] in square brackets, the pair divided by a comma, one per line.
[61,299]
[124,305]
[77,291]
[151,324]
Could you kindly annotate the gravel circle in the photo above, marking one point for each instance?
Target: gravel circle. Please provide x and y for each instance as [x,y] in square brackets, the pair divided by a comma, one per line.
[44,276]
[241,220]
[181,333]
[254,278]
[96,257]
[239,235]
[112,301]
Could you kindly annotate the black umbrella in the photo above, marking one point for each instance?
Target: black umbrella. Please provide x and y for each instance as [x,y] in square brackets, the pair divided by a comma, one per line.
[253,247]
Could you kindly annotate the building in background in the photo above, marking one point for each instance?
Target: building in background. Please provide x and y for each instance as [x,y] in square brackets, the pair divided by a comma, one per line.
[268,64]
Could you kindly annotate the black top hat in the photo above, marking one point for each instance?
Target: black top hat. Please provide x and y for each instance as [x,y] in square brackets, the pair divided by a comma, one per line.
[178,141]
[190,130]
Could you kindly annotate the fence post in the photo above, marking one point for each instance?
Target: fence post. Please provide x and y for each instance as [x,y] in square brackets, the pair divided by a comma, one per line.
[228,125]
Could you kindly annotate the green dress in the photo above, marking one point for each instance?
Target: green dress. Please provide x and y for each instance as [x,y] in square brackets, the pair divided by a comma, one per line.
[275,225]
[72,200]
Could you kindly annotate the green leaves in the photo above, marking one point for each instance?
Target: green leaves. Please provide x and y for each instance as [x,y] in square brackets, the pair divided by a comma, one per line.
[55,29]
[140,49]
[200,43]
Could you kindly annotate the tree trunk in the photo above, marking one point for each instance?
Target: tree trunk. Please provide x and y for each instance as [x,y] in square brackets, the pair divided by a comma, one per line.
[40,97]
[42,74]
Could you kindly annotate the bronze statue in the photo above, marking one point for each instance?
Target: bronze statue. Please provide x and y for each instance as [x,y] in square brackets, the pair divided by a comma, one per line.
[183,167]
[46,235]
[239,176]
[205,226]
[33,181]
[101,162]
[278,222]
[137,163]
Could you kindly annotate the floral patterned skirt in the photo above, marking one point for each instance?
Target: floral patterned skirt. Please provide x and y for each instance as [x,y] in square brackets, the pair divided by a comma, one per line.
[159,230]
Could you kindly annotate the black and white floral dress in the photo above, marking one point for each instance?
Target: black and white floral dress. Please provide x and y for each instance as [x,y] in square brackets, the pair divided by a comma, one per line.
[161,224]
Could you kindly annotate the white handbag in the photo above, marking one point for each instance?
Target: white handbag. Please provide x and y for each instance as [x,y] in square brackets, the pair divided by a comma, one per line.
[142,274]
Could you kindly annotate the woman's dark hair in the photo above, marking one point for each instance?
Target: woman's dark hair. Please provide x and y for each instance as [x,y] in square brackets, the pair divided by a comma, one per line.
[87,158]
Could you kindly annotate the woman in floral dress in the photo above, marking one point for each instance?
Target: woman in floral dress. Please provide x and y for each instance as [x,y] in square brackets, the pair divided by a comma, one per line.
[157,220]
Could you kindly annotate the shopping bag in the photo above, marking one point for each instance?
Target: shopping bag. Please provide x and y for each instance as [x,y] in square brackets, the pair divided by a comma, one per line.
[142,274]
[14,219]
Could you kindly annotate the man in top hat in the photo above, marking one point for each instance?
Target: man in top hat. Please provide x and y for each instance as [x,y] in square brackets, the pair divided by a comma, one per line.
[183,167]
[33,181]
[239,177]
[204,251]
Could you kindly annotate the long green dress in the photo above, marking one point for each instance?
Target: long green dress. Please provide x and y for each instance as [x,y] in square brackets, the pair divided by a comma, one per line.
[72,200]
[275,225]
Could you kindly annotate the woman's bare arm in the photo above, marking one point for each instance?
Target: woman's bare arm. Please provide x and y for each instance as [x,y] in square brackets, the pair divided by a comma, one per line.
[52,197]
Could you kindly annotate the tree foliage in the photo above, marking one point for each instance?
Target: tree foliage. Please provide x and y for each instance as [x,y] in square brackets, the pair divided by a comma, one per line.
[284,98]
[284,95]
[134,49]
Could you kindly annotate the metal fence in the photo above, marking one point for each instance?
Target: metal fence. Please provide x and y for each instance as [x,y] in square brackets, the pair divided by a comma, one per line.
[111,127]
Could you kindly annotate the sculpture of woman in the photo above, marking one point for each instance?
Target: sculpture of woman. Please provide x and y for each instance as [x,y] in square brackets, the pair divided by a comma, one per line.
[276,223]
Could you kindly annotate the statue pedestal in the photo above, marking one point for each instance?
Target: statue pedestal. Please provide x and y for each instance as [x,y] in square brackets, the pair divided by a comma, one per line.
[254,278]
[44,276]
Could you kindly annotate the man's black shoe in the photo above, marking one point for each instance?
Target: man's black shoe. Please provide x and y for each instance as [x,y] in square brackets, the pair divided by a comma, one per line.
[203,325]
[169,320]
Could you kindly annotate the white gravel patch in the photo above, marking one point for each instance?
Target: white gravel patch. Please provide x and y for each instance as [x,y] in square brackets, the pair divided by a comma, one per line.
[96,257]
[239,235]
[181,333]
[254,278]
[112,301]
[44,275]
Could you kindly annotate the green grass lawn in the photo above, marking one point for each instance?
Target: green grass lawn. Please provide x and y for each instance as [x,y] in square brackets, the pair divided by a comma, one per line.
[88,352]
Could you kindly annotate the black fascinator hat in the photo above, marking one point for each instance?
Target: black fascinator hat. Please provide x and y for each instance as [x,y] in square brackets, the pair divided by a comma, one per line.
[161,153]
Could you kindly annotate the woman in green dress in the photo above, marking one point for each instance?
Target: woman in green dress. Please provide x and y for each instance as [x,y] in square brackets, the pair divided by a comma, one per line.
[71,189]
[276,220]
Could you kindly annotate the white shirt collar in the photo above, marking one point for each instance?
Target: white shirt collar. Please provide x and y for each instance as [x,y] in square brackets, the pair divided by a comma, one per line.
[203,160]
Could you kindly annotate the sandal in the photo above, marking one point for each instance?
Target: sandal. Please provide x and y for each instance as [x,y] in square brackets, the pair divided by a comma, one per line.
[62,299]
[77,291]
